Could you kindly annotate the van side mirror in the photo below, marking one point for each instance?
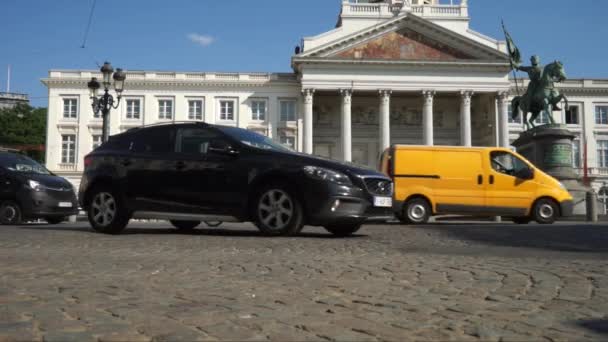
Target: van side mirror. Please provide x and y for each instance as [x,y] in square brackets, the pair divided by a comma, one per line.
[525,174]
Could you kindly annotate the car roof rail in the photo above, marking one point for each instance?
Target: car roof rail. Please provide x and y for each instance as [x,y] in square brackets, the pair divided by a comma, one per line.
[168,123]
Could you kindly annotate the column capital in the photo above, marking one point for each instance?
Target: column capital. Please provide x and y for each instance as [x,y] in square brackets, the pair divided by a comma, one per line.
[385,92]
[347,95]
[467,93]
[502,96]
[428,96]
[308,94]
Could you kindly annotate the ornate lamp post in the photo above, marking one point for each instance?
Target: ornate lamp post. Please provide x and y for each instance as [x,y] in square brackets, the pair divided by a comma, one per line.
[105,102]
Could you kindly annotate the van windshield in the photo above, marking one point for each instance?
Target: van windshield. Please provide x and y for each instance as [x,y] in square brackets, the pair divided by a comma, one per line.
[507,163]
[23,164]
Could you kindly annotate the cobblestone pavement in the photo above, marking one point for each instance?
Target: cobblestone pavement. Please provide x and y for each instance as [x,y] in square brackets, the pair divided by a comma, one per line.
[441,282]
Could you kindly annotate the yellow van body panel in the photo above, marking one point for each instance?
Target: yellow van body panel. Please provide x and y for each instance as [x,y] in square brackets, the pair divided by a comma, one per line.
[462,179]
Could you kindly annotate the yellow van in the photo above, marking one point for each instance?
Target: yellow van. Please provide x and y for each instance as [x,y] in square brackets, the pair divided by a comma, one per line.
[471,181]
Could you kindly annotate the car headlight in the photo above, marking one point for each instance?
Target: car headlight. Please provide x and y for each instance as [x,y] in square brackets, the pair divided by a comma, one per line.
[34,185]
[327,175]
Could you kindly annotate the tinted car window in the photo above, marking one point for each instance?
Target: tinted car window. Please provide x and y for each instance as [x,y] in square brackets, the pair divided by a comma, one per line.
[121,142]
[154,140]
[196,140]
[22,164]
[253,139]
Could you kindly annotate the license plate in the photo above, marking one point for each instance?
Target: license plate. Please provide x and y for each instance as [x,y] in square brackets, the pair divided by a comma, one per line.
[383,202]
[65,204]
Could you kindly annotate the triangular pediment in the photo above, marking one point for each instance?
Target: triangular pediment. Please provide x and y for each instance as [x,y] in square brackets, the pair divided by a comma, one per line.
[407,38]
[404,44]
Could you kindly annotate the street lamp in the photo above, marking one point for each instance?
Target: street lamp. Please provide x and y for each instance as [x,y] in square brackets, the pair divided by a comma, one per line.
[105,102]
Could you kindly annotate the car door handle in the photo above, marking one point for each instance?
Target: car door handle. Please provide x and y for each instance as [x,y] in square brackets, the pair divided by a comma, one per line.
[180,165]
[492,180]
[480,179]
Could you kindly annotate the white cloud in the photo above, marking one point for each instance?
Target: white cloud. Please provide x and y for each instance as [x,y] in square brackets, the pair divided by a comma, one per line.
[201,39]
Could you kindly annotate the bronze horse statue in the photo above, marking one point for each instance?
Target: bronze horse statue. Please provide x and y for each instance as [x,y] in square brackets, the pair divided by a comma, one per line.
[542,96]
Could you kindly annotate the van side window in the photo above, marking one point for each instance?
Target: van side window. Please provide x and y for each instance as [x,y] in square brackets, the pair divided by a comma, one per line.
[507,163]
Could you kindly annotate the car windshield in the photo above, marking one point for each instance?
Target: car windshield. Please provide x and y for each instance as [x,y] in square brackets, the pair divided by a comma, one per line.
[254,139]
[19,163]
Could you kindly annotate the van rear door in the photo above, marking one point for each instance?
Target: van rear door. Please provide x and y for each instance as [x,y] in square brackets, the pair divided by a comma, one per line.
[461,186]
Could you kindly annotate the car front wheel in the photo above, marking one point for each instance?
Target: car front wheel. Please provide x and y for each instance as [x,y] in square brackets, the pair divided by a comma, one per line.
[107,212]
[10,213]
[277,212]
[417,211]
[545,211]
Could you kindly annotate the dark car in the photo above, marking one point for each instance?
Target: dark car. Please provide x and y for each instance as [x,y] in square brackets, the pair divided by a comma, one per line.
[29,191]
[193,172]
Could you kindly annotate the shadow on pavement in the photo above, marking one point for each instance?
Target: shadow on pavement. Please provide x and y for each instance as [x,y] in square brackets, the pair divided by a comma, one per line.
[599,326]
[201,231]
[565,238]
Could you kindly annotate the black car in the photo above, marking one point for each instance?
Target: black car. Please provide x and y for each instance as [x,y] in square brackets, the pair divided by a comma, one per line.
[29,191]
[192,172]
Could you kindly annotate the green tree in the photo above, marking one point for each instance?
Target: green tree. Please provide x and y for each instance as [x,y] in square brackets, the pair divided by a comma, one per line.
[23,125]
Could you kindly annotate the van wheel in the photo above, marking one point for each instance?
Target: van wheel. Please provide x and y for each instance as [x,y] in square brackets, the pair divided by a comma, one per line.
[10,213]
[107,211]
[343,230]
[545,211]
[521,220]
[185,226]
[417,211]
[276,211]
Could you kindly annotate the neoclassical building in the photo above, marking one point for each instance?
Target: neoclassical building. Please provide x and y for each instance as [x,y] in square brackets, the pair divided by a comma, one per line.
[392,71]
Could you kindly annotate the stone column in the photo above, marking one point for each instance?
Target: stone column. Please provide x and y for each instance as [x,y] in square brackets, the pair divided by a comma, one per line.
[308,120]
[503,119]
[385,119]
[427,117]
[465,118]
[346,127]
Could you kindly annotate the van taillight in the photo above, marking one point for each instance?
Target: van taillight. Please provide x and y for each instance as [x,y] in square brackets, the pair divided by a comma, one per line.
[88,161]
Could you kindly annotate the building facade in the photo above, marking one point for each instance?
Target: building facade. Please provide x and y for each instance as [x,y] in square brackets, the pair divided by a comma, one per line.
[393,71]
[10,100]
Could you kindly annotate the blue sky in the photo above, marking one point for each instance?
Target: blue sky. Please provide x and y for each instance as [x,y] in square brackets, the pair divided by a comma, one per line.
[241,35]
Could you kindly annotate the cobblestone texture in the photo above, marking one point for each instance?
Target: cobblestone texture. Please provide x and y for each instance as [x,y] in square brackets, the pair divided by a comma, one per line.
[441,282]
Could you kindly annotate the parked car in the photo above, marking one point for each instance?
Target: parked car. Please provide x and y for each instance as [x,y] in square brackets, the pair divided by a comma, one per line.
[192,172]
[472,181]
[29,191]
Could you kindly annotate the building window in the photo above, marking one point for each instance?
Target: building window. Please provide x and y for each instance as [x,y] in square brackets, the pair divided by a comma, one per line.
[603,197]
[134,109]
[573,115]
[226,110]
[517,119]
[70,108]
[576,154]
[68,149]
[258,110]
[601,115]
[288,110]
[165,109]
[602,153]
[96,140]
[288,141]
[195,110]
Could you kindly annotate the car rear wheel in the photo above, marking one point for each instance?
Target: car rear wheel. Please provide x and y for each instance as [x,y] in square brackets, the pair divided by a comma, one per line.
[417,211]
[343,230]
[185,226]
[10,213]
[277,212]
[55,220]
[107,212]
[545,211]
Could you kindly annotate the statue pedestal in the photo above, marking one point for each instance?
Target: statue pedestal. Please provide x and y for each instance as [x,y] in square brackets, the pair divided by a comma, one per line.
[549,148]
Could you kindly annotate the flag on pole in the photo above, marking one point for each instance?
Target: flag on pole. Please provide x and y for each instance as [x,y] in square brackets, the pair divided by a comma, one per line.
[514,53]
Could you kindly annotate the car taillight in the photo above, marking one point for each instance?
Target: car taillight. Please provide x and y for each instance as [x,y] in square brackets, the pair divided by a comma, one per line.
[88,161]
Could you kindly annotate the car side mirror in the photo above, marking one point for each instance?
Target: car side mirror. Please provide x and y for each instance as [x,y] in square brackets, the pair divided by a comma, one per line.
[525,174]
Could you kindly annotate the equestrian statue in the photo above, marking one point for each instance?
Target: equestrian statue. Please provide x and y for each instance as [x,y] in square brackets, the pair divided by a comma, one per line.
[541,94]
